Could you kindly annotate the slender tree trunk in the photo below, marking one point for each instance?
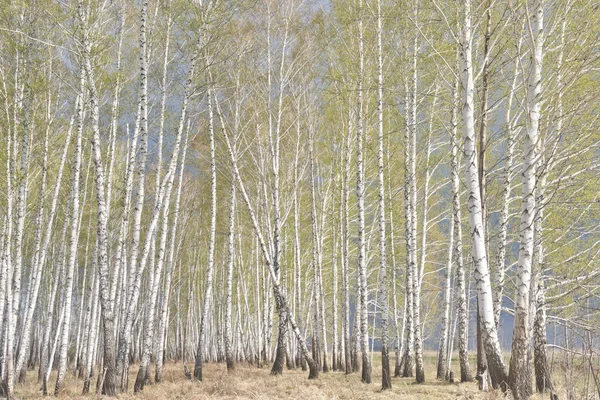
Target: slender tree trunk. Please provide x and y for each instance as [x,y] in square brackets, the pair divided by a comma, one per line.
[520,369]
[362,262]
[314,372]
[419,367]
[506,197]
[462,314]
[73,243]
[109,382]
[543,379]
[442,361]
[229,280]
[163,325]
[40,260]
[345,245]
[386,377]
[133,291]
[211,244]
[409,298]
[496,367]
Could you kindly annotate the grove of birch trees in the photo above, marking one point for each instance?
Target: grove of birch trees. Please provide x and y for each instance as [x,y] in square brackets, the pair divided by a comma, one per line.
[331,185]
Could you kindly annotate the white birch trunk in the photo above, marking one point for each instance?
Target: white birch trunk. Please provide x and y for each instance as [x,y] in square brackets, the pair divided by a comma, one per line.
[520,368]
[211,243]
[314,372]
[362,266]
[462,314]
[506,197]
[497,370]
[419,368]
[126,326]
[386,377]
[109,384]
[73,244]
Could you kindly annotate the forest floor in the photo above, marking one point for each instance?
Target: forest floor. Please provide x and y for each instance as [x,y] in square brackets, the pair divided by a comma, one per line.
[248,382]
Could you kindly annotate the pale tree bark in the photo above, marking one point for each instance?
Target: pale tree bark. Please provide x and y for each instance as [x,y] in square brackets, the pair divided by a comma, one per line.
[297,248]
[442,358]
[165,189]
[496,367]
[6,268]
[345,245]
[73,242]
[481,359]
[386,377]
[38,224]
[126,325]
[416,281]
[109,383]
[461,285]
[58,277]
[114,119]
[543,378]
[314,371]
[336,344]
[362,262]
[506,197]
[93,329]
[34,279]
[163,202]
[14,268]
[274,146]
[316,289]
[229,279]
[163,324]
[211,243]
[14,277]
[409,298]
[320,240]
[520,367]
[399,335]
[40,260]
[163,309]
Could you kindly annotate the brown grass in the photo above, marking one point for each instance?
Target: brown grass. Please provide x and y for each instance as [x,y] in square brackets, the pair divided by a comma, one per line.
[248,382]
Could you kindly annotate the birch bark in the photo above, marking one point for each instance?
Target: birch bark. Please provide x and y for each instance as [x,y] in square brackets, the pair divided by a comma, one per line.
[73,242]
[362,262]
[520,369]
[493,353]
[386,378]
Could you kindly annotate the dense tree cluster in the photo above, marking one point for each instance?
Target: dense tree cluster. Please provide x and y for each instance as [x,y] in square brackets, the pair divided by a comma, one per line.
[288,183]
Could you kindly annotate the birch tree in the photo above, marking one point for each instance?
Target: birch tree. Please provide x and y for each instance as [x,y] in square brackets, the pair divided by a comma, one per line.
[520,371]
[496,367]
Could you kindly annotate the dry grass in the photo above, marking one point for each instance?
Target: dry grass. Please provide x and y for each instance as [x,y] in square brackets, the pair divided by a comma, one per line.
[248,382]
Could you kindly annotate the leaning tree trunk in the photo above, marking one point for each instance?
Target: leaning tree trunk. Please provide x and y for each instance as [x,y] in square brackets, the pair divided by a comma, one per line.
[314,372]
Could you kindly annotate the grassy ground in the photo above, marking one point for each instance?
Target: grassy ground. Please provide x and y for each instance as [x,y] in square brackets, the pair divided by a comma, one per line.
[248,382]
